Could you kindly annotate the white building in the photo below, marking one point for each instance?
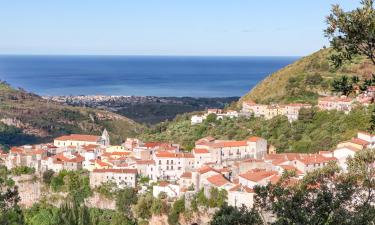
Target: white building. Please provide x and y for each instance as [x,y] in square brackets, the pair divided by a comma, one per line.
[171,190]
[122,177]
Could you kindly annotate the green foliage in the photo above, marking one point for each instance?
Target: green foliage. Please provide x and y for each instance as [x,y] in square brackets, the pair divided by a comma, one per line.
[47,176]
[142,209]
[57,119]
[315,131]
[124,199]
[10,211]
[217,199]
[352,33]
[231,215]
[211,118]
[17,171]
[324,196]
[159,206]
[177,209]
[76,183]
[314,79]
[107,189]
[342,85]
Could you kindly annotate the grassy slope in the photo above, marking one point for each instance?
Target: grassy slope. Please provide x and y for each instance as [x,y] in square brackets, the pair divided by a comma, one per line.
[38,120]
[278,88]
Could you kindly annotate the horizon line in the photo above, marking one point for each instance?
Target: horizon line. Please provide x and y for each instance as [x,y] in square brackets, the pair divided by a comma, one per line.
[143,55]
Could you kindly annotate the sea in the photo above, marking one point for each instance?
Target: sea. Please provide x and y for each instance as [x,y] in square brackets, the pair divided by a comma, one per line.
[163,76]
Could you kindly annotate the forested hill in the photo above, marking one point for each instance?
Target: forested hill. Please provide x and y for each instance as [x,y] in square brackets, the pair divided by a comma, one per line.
[305,79]
[27,118]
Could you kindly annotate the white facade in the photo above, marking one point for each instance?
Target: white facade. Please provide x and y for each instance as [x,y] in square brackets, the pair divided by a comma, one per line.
[122,177]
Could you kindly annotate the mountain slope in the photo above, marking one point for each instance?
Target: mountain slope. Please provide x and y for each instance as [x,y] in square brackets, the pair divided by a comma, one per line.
[305,79]
[28,118]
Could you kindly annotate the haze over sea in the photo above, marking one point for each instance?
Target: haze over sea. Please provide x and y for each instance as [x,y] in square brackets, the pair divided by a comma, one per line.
[194,76]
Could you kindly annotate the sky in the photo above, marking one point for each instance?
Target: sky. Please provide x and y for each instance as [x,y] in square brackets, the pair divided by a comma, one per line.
[165,27]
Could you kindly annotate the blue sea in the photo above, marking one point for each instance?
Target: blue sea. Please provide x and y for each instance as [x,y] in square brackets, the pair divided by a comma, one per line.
[138,75]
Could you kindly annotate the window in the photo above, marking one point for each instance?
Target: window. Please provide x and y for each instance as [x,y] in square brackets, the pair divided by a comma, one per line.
[159,162]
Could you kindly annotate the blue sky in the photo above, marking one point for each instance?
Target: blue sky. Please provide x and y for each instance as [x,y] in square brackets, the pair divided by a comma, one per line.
[165,27]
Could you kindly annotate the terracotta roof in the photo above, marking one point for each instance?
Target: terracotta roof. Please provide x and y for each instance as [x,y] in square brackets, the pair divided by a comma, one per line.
[155,144]
[186,175]
[217,180]
[206,169]
[101,163]
[132,171]
[241,188]
[16,150]
[144,162]
[312,159]
[360,142]
[292,168]
[205,140]
[163,183]
[79,137]
[200,151]
[77,159]
[224,144]
[173,155]
[257,175]
[254,139]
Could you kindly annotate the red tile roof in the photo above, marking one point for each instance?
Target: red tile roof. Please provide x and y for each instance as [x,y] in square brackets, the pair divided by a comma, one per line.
[218,180]
[312,159]
[200,151]
[79,137]
[241,188]
[173,155]
[145,162]
[132,171]
[254,139]
[257,175]
[186,175]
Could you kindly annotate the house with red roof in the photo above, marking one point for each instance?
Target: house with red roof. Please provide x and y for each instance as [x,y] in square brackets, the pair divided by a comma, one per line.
[312,162]
[170,166]
[240,195]
[256,177]
[291,111]
[342,103]
[229,150]
[82,139]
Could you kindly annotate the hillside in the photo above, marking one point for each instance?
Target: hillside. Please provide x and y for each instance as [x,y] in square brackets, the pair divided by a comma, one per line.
[315,131]
[27,118]
[302,81]
[306,79]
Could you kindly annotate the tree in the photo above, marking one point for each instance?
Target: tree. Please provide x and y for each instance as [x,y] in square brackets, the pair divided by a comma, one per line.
[231,215]
[143,207]
[342,85]
[352,33]
[47,176]
[325,196]
[10,211]
[177,209]
[211,118]
[159,206]
[125,198]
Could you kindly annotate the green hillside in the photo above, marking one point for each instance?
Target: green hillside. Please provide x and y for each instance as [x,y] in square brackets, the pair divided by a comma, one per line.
[315,131]
[306,79]
[302,81]
[28,118]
